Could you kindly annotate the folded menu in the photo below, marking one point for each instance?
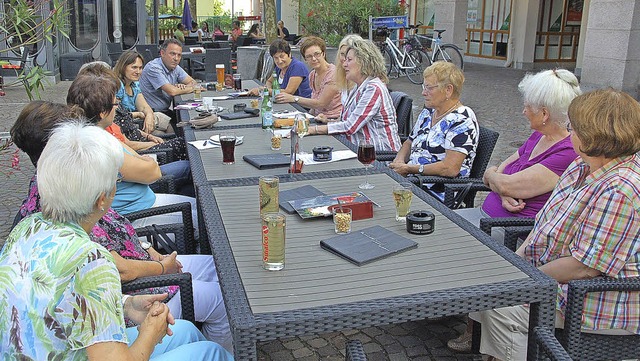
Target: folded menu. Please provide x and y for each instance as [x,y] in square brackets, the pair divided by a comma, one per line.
[367,245]
[307,191]
[267,161]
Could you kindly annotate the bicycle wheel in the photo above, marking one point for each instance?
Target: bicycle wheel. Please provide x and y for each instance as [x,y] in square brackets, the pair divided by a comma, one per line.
[416,62]
[451,54]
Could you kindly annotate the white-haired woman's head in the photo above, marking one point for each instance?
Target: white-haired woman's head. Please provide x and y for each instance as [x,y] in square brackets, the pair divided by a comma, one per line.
[551,89]
[78,165]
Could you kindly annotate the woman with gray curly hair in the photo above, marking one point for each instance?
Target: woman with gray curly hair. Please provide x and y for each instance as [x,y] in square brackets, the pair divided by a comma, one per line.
[368,112]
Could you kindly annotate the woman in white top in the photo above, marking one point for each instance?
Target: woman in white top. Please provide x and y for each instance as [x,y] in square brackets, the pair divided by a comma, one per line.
[195,32]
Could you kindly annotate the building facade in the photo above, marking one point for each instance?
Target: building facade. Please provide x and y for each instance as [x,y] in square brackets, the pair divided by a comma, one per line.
[598,39]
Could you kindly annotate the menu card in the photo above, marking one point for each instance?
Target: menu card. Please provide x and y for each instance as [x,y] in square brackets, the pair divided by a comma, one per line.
[367,245]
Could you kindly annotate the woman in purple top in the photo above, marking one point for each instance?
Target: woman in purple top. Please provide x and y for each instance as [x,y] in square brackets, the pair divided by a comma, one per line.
[523,182]
[291,73]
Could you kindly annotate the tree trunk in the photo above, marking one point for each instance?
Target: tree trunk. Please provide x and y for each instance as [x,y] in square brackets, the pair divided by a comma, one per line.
[270,22]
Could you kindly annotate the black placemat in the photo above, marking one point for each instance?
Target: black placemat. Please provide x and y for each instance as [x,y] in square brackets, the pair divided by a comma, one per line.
[303,192]
[237,115]
[367,245]
[268,161]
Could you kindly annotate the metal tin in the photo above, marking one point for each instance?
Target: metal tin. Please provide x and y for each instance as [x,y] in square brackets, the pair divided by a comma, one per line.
[420,222]
[322,153]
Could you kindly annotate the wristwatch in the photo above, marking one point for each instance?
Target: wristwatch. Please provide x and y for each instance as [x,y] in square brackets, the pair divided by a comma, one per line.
[295,99]
[421,169]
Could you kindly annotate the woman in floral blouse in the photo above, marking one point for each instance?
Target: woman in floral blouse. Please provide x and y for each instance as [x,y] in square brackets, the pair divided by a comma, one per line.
[62,297]
[30,133]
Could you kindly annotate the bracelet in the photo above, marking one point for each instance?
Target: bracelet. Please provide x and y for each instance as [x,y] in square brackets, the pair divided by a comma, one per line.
[161,265]
[316,129]
[124,299]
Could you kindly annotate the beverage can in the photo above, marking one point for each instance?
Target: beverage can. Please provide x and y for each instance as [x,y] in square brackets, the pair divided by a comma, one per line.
[269,191]
[273,241]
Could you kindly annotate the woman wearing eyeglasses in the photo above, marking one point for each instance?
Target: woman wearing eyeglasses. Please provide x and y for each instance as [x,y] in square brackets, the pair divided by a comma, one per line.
[325,97]
[444,139]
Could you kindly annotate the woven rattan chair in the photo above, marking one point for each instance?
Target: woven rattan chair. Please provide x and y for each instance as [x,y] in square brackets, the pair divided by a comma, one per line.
[579,345]
[589,346]
[355,352]
[549,346]
[185,243]
[183,280]
[404,115]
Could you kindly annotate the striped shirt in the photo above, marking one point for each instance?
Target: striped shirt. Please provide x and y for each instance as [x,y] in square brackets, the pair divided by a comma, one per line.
[368,113]
[595,218]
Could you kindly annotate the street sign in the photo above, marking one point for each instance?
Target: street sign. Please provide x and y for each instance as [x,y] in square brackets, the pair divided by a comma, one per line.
[391,22]
[247,18]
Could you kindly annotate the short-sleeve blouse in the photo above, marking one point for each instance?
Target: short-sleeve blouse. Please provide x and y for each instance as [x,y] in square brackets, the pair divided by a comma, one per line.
[296,68]
[73,299]
[457,131]
[333,109]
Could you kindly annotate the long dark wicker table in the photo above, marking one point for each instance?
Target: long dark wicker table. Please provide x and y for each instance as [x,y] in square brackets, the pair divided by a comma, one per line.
[457,269]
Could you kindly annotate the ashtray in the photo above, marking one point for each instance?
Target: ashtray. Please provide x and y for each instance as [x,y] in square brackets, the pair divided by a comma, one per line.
[322,153]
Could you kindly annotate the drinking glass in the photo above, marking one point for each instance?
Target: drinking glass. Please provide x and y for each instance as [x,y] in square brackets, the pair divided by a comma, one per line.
[302,128]
[342,220]
[402,196]
[228,145]
[366,156]
[274,227]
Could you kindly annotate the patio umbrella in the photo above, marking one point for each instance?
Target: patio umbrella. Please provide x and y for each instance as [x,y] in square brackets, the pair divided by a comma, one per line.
[186,15]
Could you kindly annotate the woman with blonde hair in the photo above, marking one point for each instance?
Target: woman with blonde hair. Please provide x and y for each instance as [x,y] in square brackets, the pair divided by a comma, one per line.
[368,113]
[342,83]
[444,139]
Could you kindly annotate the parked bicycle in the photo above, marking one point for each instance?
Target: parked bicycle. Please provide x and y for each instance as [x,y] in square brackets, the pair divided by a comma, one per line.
[410,62]
[442,51]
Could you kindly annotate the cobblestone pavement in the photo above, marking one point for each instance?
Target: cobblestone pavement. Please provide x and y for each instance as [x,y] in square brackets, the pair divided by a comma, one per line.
[490,91]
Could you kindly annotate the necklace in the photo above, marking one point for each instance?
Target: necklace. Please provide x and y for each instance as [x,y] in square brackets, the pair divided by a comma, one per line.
[447,112]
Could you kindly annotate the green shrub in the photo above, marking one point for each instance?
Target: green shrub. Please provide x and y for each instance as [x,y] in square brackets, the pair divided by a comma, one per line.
[333,19]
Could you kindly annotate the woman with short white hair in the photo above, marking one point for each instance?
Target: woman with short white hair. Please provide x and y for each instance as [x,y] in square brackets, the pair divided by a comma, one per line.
[74,296]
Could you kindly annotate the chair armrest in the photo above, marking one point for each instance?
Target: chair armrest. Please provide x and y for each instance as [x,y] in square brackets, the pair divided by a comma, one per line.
[487,223]
[578,290]
[514,228]
[183,280]
[166,136]
[183,241]
[183,207]
[161,155]
[471,187]
[166,184]
[549,345]
[385,155]
[355,351]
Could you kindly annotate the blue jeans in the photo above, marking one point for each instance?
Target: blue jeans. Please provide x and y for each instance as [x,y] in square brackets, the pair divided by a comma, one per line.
[186,343]
[181,172]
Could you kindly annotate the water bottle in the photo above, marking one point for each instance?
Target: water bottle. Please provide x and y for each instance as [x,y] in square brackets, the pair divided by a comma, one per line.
[266,110]
[275,85]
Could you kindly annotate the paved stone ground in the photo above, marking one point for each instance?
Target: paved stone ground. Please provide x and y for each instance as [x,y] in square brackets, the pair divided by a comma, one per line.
[490,91]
